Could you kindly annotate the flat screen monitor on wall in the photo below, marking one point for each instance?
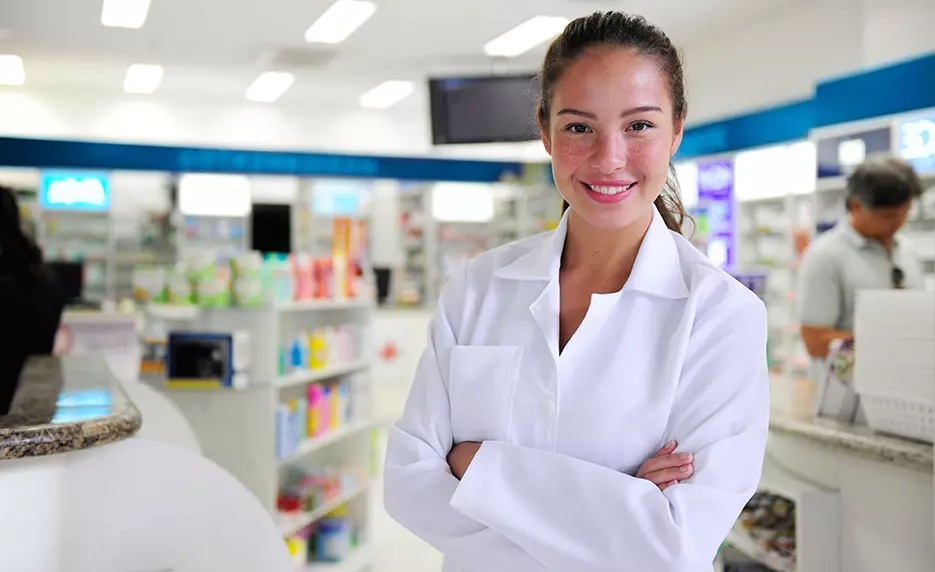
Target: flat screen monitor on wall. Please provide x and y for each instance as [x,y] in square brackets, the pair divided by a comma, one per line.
[271,228]
[487,109]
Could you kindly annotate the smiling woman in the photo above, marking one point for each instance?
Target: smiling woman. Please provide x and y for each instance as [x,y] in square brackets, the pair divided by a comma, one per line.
[596,397]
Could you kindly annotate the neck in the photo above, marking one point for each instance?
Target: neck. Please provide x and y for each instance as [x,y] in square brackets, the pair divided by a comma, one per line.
[605,257]
[886,242]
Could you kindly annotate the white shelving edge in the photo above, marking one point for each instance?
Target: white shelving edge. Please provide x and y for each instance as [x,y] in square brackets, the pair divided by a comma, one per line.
[319,305]
[317,443]
[362,558]
[310,376]
[817,517]
[290,524]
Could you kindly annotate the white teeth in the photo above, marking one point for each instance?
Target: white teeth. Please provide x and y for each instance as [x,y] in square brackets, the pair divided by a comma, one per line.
[610,190]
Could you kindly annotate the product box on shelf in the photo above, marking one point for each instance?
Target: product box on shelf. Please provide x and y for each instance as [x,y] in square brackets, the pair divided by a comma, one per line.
[207,360]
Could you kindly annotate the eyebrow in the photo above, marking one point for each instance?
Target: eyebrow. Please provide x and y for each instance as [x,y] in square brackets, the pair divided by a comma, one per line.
[642,109]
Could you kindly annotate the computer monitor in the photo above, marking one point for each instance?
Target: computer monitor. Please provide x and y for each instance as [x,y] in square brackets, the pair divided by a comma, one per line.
[69,276]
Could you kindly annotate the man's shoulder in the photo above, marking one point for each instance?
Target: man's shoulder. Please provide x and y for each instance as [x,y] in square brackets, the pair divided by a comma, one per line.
[827,246]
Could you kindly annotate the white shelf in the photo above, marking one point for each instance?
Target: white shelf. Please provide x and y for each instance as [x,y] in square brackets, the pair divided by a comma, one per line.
[360,559]
[173,313]
[318,305]
[317,443]
[778,481]
[739,539]
[290,524]
[310,376]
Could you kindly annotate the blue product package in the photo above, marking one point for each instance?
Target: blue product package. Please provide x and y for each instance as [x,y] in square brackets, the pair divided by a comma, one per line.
[282,432]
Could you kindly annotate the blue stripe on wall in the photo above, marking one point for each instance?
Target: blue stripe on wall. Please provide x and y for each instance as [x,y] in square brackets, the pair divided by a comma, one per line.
[784,123]
[896,88]
[41,153]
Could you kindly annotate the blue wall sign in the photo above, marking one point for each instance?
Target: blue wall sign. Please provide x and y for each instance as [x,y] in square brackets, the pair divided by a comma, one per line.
[916,143]
[74,191]
[16,152]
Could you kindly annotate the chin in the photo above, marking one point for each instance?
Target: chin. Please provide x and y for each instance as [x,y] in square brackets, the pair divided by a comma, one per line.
[612,217]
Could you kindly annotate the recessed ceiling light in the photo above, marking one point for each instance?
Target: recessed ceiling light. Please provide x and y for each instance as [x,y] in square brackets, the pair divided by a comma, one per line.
[124,13]
[12,71]
[339,21]
[526,36]
[143,79]
[269,86]
[387,94]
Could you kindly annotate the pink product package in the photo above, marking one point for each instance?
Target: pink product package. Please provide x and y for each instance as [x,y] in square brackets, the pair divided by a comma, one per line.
[302,276]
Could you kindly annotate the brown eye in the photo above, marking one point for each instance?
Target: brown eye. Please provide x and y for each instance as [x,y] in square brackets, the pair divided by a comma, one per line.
[640,126]
[577,128]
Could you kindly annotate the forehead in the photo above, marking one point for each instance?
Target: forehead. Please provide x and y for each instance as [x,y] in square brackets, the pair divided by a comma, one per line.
[611,78]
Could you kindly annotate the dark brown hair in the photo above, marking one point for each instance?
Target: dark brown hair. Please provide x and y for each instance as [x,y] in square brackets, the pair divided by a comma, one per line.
[626,31]
[18,253]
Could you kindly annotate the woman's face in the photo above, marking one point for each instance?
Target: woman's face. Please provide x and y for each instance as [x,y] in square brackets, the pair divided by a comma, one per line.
[611,135]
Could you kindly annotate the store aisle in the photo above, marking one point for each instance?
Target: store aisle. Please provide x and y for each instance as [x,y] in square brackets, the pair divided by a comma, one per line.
[398,550]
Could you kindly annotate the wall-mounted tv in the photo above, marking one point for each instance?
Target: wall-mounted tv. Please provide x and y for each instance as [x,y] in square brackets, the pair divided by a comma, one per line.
[484,109]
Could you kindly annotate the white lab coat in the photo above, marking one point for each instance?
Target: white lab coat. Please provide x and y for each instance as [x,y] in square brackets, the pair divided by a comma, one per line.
[679,353]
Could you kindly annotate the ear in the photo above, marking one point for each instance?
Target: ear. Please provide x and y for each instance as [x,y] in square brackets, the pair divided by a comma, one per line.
[546,140]
[677,136]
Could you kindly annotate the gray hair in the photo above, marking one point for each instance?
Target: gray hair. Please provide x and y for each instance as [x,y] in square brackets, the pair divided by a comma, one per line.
[883,181]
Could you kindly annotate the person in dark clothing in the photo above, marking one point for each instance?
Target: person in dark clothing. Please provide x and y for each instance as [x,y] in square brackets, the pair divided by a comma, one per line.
[30,304]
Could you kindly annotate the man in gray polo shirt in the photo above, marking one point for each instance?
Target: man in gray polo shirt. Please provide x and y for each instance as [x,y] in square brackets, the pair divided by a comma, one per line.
[862,251]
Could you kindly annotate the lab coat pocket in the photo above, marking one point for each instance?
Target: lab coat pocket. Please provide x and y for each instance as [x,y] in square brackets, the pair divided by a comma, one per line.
[481,382]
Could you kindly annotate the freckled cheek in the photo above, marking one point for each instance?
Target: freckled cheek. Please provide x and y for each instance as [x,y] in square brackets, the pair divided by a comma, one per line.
[569,155]
[651,157]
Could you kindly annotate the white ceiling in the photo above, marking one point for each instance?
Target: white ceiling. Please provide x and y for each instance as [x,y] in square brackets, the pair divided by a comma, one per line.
[215,48]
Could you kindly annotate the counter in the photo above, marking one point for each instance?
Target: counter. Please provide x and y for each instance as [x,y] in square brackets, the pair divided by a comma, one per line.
[65,404]
[856,440]
[864,501]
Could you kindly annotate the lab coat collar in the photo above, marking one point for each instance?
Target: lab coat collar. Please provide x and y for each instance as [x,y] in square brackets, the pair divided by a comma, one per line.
[657,269]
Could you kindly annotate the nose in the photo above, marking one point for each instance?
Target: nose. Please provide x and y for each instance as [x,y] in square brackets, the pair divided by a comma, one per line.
[608,154]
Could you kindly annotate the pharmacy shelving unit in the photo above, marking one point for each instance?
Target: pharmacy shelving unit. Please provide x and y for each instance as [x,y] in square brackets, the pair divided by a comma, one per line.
[236,428]
[416,285]
[85,236]
[817,524]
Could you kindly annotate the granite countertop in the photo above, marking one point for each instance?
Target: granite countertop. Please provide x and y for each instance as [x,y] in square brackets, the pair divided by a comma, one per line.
[857,440]
[66,404]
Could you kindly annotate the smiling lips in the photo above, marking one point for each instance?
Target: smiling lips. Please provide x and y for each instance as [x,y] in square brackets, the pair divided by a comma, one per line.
[609,191]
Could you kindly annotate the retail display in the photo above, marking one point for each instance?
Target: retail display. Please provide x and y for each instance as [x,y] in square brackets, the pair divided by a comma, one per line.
[769,520]
[327,407]
[213,279]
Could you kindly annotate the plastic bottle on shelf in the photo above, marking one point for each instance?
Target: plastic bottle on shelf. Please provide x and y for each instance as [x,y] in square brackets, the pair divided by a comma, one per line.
[333,539]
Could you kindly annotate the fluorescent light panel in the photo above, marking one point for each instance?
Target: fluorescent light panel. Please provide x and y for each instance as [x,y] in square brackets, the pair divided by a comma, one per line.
[143,79]
[269,86]
[124,13]
[526,36]
[12,71]
[339,21]
[387,94]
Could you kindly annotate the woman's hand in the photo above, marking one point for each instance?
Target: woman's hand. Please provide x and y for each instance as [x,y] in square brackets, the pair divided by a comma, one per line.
[460,457]
[665,469]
